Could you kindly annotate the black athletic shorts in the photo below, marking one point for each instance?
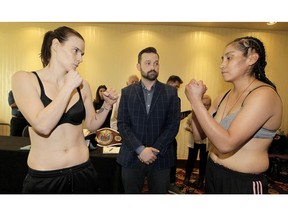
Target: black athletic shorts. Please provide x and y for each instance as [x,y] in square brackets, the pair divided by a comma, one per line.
[79,179]
[221,180]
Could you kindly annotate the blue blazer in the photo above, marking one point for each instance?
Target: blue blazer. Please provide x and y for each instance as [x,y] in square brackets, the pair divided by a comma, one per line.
[156,129]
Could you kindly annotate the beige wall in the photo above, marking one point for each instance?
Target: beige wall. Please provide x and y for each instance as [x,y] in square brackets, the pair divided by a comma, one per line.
[111,56]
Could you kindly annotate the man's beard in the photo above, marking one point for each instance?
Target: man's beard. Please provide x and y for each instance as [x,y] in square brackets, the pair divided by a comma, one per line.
[151,75]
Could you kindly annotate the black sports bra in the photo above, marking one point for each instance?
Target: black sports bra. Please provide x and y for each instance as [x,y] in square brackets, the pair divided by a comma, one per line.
[75,115]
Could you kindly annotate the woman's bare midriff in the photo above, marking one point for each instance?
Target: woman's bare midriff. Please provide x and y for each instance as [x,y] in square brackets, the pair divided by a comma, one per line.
[60,150]
[251,158]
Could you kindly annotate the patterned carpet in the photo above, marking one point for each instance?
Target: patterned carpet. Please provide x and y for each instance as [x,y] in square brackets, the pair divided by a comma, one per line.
[277,186]
[180,175]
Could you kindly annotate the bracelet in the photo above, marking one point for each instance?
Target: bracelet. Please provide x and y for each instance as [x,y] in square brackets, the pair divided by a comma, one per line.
[106,108]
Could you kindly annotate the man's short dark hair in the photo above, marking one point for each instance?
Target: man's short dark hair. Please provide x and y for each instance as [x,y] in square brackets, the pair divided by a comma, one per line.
[146,50]
[174,79]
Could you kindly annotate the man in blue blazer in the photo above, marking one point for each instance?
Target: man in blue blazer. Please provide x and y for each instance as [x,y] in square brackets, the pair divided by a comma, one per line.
[148,121]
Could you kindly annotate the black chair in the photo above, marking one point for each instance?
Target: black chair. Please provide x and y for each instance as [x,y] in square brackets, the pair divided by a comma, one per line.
[278,159]
[25,132]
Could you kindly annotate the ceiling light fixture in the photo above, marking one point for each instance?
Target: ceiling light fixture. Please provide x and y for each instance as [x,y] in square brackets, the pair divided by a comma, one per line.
[271,23]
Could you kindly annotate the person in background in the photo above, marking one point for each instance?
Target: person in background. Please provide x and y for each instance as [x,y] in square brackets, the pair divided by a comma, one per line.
[98,103]
[148,121]
[55,100]
[241,122]
[132,79]
[176,82]
[197,142]
[17,122]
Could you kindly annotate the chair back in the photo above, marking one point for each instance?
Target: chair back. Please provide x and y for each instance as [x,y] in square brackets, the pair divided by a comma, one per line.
[4,129]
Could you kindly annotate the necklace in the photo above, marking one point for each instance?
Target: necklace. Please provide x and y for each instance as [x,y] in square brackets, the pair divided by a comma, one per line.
[235,101]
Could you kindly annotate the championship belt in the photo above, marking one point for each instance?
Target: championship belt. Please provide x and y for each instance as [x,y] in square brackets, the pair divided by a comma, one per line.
[108,137]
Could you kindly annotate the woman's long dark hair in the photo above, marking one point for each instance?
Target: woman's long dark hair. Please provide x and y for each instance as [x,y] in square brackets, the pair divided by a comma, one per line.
[98,98]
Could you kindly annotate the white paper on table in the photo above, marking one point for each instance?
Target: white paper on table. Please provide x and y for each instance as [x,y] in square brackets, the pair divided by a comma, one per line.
[111,150]
[26,147]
